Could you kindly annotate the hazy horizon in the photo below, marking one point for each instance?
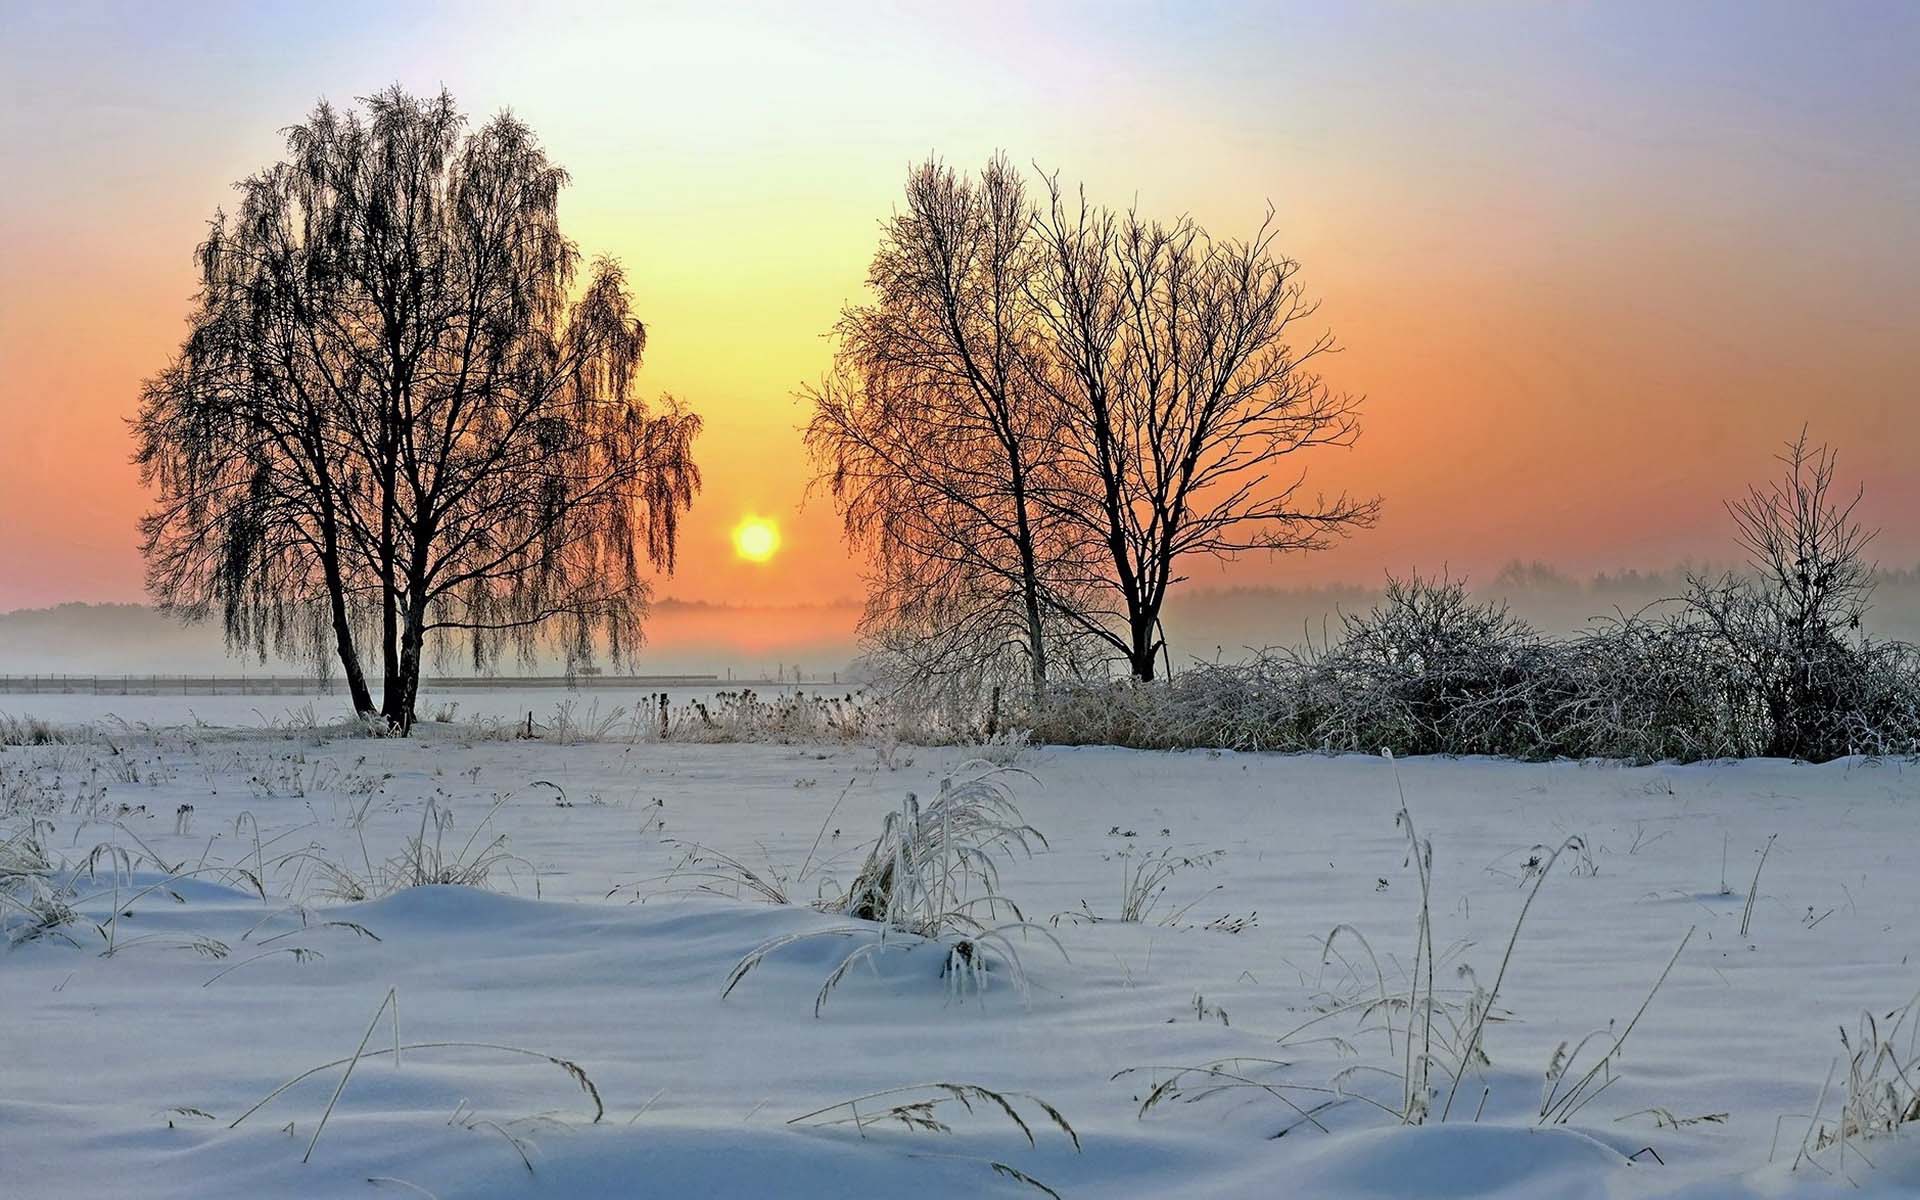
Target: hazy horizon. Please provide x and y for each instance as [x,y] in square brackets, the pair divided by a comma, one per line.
[1591,266]
[754,639]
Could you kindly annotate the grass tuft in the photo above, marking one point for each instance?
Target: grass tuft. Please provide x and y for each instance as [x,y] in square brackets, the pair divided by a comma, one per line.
[932,876]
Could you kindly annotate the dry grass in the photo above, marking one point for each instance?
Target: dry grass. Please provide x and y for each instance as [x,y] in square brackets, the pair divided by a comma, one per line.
[1145,877]
[390,1007]
[917,1107]
[34,902]
[428,858]
[32,731]
[1557,1107]
[727,716]
[1753,889]
[932,876]
[1434,1038]
[1879,1095]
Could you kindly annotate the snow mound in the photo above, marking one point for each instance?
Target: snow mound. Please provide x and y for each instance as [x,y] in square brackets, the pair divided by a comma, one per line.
[1467,1162]
[447,908]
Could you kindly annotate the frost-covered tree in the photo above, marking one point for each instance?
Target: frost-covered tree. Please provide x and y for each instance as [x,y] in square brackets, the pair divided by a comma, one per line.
[935,441]
[1184,390]
[1043,413]
[400,396]
[1793,623]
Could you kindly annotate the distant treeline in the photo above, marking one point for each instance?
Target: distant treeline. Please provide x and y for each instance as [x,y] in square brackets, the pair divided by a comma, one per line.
[1229,623]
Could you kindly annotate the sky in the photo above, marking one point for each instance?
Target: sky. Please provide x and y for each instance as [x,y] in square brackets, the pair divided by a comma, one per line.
[1590,264]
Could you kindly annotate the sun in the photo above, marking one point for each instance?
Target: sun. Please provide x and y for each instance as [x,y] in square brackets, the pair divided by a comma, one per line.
[756,539]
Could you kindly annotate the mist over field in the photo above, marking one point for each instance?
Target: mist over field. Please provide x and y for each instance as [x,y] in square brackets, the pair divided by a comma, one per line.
[683,638]
[1554,602]
[752,640]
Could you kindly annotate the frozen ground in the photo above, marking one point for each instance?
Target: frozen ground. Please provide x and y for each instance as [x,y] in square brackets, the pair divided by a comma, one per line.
[121,1074]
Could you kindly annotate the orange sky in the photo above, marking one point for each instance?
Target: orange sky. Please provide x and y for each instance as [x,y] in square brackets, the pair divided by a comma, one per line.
[1591,265]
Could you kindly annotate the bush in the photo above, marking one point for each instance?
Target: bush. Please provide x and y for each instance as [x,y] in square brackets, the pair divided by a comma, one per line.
[1430,671]
[1768,663]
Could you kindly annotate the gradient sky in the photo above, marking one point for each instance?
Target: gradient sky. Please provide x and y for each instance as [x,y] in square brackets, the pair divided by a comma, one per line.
[1591,264]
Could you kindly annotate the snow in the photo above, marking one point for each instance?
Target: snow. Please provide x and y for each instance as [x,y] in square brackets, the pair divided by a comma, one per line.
[585,946]
[256,711]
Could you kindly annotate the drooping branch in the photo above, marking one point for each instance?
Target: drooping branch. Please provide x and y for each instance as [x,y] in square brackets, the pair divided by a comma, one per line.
[393,404]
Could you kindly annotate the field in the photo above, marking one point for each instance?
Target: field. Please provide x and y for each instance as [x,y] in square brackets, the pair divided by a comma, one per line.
[1215,985]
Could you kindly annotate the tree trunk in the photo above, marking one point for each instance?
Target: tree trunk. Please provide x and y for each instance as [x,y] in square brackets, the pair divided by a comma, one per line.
[407,685]
[1037,653]
[1030,585]
[336,584]
[1141,653]
[389,661]
[390,691]
[342,627]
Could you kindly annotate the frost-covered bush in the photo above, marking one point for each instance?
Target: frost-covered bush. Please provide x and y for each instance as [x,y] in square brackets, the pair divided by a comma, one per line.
[1883,713]
[1773,661]
[1646,688]
[1431,671]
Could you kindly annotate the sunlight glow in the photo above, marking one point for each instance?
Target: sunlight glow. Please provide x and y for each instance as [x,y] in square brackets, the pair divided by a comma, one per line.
[756,539]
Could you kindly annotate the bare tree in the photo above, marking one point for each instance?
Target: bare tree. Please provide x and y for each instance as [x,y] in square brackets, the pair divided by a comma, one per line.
[1183,394]
[1041,415]
[399,289]
[931,434]
[1795,623]
[1807,546]
[244,438]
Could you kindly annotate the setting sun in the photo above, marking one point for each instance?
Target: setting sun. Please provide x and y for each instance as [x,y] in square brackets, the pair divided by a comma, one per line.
[756,539]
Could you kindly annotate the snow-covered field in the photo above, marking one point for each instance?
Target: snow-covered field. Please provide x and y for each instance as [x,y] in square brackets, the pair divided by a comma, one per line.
[466,705]
[123,1073]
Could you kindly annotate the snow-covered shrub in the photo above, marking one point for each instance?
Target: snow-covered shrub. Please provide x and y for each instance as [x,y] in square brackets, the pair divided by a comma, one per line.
[1646,687]
[1773,661]
[1792,624]
[1431,671]
[1427,671]
[1883,715]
